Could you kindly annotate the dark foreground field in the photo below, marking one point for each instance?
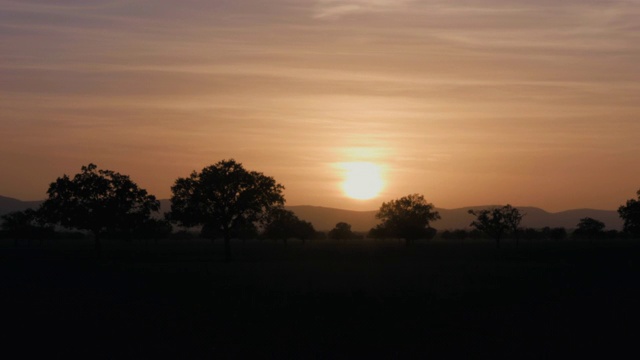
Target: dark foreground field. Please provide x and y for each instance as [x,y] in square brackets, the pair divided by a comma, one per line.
[320,300]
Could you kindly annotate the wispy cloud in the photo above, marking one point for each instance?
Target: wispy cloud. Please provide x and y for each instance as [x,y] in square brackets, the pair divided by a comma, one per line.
[331,9]
[486,83]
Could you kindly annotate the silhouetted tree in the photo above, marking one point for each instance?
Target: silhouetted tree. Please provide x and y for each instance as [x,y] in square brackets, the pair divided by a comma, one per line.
[27,224]
[342,231]
[224,197]
[284,224]
[630,213]
[305,230]
[513,217]
[497,222]
[408,218]
[100,201]
[378,232]
[589,228]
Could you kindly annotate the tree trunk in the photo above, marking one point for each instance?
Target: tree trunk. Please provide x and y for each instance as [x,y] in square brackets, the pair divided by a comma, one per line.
[227,247]
[98,244]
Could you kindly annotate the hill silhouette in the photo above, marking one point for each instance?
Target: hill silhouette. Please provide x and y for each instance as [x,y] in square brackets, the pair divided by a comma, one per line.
[325,218]
[8,205]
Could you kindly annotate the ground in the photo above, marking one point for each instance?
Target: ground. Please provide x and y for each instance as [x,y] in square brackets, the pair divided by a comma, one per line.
[322,299]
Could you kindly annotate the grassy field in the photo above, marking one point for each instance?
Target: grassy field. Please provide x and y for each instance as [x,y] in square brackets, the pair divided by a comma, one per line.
[321,299]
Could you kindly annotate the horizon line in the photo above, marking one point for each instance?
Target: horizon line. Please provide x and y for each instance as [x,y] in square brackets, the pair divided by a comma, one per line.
[370,210]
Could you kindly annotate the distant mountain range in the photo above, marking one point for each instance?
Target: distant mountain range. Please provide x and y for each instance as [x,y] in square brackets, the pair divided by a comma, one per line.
[324,218]
[8,204]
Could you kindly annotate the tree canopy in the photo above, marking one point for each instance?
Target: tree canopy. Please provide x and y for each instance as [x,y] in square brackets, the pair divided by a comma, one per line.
[342,231]
[630,214]
[100,201]
[589,228]
[27,224]
[407,218]
[224,197]
[284,224]
[497,222]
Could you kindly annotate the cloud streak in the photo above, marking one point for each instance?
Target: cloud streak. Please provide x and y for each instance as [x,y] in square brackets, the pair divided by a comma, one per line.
[333,9]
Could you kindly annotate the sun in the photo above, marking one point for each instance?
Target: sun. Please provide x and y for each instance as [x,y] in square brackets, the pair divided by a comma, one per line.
[363,180]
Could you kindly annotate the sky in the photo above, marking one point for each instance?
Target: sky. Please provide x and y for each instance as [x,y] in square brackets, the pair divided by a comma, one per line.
[466,102]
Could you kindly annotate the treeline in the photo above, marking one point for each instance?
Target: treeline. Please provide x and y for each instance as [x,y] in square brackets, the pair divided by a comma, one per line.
[17,226]
[226,201]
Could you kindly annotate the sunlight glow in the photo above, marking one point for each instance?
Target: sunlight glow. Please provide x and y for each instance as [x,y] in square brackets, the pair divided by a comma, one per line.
[363,180]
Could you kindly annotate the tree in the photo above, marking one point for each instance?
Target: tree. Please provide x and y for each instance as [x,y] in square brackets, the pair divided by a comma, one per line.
[342,231]
[27,224]
[407,218]
[589,228]
[512,217]
[99,201]
[497,222]
[224,197]
[630,213]
[378,232]
[284,224]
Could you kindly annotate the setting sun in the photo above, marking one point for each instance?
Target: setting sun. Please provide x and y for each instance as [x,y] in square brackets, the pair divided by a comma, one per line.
[363,180]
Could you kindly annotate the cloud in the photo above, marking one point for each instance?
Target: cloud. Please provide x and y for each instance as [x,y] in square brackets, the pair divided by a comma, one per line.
[332,9]
[442,87]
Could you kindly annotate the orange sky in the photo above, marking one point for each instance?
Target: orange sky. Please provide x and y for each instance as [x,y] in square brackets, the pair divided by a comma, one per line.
[477,102]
